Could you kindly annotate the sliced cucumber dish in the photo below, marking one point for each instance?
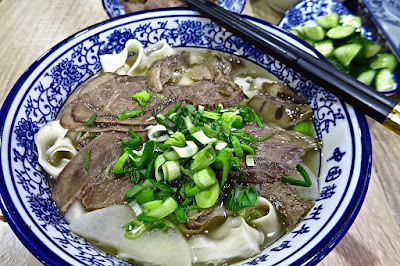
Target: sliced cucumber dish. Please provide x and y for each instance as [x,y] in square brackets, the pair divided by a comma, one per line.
[339,39]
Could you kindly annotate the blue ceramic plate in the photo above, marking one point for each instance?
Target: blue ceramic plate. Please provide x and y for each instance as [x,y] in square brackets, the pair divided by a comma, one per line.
[307,11]
[40,93]
[114,8]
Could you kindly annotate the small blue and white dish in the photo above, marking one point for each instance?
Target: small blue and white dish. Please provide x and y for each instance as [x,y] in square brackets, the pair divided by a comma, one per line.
[385,17]
[40,93]
[307,11]
[114,8]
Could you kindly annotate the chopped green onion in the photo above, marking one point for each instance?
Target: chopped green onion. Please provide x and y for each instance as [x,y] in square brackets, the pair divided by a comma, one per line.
[155,133]
[174,108]
[128,114]
[296,182]
[208,197]
[205,178]
[211,115]
[142,98]
[202,138]
[146,218]
[159,161]
[90,121]
[203,158]
[191,189]
[133,191]
[134,233]
[188,151]
[304,127]
[219,145]
[145,195]
[135,207]
[171,155]
[164,187]
[263,138]
[147,154]
[237,147]
[234,163]
[171,170]
[200,109]
[248,149]
[177,139]
[250,160]
[165,209]
[86,160]
[180,214]
[119,166]
[151,205]
[189,125]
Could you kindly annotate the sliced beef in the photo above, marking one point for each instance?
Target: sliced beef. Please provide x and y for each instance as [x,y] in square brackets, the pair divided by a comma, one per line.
[107,96]
[285,201]
[275,157]
[209,93]
[278,105]
[75,183]
[162,70]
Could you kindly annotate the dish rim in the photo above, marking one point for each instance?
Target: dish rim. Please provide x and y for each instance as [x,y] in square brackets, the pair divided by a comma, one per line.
[47,256]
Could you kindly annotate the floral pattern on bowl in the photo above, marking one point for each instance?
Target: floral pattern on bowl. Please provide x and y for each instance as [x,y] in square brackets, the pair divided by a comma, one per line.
[40,93]
[114,8]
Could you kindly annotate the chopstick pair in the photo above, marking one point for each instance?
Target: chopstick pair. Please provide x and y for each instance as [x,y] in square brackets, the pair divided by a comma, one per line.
[322,73]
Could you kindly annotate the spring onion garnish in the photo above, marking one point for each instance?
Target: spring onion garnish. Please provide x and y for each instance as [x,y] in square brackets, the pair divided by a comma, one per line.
[296,182]
[128,114]
[157,133]
[208,197]
[250,160]
[90,121]
[142,98]
[186,164]
[188,151]
[166,208]
[202,138]
[171,170]
[86,160]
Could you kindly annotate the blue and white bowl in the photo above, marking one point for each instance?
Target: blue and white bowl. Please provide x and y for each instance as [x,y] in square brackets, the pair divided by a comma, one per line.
[306,12]
[39,94]
[114,8]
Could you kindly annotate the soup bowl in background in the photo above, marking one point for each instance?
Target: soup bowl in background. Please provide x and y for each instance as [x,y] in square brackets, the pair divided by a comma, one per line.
[40,93]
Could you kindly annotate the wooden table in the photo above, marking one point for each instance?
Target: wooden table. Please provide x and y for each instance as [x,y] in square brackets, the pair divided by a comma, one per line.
[28,28]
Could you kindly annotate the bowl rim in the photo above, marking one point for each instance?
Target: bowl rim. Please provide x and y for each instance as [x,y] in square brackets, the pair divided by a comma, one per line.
[311,257]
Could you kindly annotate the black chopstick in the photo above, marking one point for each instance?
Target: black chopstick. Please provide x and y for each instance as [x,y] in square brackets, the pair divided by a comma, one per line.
[321,72]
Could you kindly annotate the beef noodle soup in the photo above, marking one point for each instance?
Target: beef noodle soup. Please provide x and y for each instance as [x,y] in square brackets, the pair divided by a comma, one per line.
[181,156]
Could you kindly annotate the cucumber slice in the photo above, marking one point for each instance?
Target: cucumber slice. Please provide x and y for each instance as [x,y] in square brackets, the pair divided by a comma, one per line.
[316,33]
[328,21]
[309,41]
[346,53]
[350,20]
[388,61]
[367,76]
[340,32]
[325,47]
[384,80]
[338,64]
[297,33]
[371,49]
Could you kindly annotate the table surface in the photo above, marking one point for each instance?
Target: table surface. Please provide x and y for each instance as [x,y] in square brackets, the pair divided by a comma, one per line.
[29,28]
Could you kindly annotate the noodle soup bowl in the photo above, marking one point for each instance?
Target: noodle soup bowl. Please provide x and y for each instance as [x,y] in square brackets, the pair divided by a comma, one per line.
[40,93]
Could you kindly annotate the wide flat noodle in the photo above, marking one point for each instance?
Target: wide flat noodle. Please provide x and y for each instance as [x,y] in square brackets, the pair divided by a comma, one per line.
[104,228]
[233,239]
[55,147]
[269,224]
